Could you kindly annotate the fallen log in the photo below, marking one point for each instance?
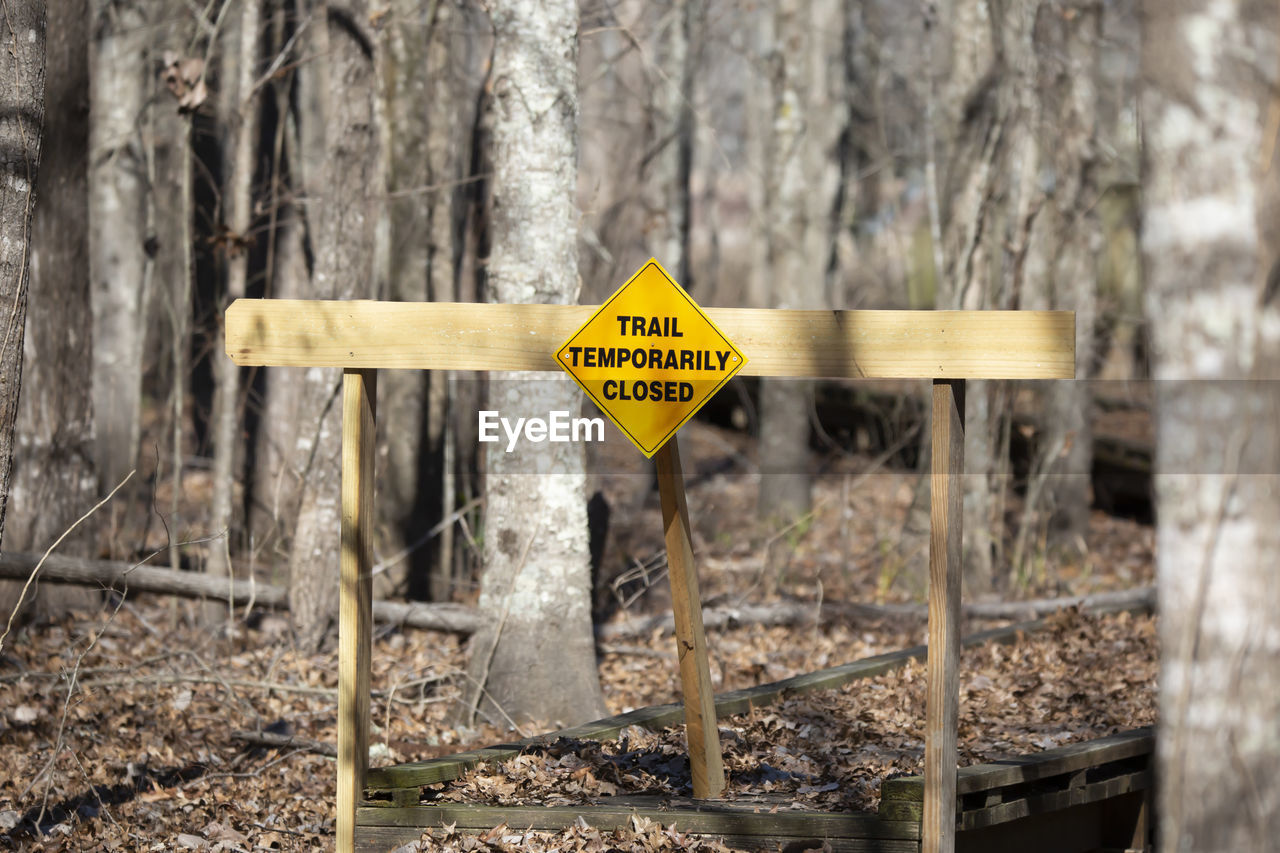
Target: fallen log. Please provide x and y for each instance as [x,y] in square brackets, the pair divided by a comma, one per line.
[806,613]
[460,619]
[121,577]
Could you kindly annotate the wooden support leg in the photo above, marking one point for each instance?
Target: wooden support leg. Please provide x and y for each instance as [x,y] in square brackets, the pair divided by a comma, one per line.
[355,610]
[705,760]
[938,831]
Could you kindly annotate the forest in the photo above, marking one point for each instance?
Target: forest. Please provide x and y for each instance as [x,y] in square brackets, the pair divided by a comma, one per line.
[169,579]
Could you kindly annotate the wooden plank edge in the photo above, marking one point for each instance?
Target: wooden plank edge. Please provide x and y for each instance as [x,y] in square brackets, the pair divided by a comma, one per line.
[1053,801]
[1033,766]
[705,820]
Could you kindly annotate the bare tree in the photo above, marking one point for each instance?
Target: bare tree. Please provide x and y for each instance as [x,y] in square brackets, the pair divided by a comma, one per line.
[671,143]
[118,91]
[239,108]
[21,117]
[426,91]
[536,588]
[1059,261]
[53,475]
[800,128]
[346,231]
[1211,255]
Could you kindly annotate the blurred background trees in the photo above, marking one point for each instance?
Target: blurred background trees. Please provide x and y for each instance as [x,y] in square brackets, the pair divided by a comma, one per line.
[841,154]
[829,154]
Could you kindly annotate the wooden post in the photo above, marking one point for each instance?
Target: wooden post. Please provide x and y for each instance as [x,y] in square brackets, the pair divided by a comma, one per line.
[942,710]
[355,610]
[705,761]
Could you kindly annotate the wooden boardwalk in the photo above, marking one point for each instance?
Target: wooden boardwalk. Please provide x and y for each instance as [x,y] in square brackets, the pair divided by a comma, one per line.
[1081,797]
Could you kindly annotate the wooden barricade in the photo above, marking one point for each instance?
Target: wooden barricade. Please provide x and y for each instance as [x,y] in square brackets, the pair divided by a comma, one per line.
[945,346]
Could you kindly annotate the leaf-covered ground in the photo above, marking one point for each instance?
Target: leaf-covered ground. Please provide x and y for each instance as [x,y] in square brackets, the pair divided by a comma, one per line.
[121,729]
[1082,678]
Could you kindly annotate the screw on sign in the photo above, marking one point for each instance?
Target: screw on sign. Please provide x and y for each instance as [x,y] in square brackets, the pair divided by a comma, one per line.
[650,358]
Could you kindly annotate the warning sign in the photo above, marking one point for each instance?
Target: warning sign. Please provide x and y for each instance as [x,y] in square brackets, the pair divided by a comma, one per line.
[650,358]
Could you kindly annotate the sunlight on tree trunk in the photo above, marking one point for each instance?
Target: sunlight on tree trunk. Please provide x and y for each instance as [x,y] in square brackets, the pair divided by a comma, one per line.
[535,657]
[1210,250]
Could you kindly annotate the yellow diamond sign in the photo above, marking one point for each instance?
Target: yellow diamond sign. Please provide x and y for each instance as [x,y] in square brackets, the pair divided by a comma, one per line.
[650,357]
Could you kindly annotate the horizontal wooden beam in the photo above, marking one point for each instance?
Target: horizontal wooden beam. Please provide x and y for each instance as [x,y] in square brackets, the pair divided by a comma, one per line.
[764,821]
[835,344]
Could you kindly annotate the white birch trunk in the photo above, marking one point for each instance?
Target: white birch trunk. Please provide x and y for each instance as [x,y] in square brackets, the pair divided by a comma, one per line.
[1210,247]
[535,657]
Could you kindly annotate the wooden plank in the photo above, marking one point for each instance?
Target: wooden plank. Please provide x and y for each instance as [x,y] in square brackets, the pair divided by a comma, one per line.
[942,705]
[687,816]
[355,608]
[381,839]
[706,764]
[835,344]
[1054,762]
[1055,800]
[1034,767]
[446,768]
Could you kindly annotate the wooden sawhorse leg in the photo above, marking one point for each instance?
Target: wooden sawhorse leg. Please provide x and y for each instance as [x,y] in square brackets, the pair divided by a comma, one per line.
[355,609]
[946,506]
[706,763]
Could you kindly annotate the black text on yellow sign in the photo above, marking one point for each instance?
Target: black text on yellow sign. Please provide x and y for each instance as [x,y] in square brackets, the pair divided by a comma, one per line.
[650,358]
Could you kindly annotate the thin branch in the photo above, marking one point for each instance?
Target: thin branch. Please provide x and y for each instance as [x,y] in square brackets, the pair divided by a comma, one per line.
[21,596]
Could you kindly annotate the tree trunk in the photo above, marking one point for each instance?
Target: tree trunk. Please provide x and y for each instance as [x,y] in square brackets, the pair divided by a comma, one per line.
[53,477]
[1211,256]
[801,132]
[172,201]
[279,463]
[241,115]
[22,69]
[424,90]
[345,269]
[118,92]
[535,657]
[987,202]
[1059,269]
[671,140]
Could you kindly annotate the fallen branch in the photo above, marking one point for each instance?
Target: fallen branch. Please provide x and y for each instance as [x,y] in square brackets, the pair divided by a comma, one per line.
[460,619]
[121,576]
[806,613]
[282,741]
[1139,598]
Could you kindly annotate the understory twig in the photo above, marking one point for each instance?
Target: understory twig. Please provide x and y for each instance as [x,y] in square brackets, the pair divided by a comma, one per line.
[31,579]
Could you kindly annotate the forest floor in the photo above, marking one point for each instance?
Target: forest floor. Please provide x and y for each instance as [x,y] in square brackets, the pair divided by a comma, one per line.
[120,729]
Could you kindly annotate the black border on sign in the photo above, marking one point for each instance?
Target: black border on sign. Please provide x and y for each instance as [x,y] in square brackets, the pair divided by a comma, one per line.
[742,359]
